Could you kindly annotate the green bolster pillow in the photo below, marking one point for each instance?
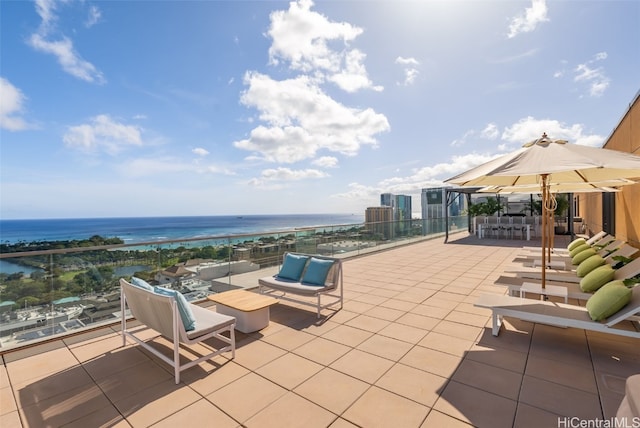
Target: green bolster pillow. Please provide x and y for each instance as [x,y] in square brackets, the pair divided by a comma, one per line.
[575,243]
[597,278]
[579,249]
[588,265]
[582,256]
[608,300]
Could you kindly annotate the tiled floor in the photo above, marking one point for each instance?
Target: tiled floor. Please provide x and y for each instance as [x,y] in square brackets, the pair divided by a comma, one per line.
[408,349]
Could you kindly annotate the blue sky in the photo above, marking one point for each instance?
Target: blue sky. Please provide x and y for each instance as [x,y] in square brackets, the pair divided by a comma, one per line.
[154,108]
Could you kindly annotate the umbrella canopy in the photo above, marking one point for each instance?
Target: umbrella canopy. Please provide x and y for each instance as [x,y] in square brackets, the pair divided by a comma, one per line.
[544,162]
[603,186]
[561,162]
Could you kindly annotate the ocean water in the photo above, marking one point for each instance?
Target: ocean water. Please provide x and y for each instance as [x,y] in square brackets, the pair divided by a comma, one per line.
[149,229]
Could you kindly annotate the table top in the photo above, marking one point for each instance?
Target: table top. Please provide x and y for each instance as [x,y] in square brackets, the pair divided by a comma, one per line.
[243,300]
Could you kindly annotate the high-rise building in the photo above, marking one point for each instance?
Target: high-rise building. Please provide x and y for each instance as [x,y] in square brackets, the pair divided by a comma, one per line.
[387,200]
[434,203]
[379,220]
[401,205]
[434,206]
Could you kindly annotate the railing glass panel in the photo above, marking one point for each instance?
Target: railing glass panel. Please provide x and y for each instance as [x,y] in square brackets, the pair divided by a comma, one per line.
[57,291]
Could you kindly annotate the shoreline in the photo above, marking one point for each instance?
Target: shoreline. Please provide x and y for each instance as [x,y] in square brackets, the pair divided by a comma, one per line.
[132,230]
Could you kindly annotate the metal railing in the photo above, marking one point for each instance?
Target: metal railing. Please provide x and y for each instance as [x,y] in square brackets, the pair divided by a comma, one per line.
[53,292]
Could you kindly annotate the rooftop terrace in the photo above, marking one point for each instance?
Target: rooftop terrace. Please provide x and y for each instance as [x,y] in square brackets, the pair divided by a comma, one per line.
[408,349]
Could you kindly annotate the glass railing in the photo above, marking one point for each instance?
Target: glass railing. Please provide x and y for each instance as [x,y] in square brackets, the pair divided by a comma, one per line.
[45,293]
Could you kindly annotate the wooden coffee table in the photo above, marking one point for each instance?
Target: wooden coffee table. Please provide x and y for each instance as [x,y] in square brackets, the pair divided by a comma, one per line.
[251,310]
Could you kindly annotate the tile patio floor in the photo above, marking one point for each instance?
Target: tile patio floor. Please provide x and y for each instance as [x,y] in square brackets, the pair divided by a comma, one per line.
[408,349]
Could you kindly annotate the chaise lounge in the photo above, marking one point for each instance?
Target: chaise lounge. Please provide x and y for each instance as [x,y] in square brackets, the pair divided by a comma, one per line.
[571,282]
[566,263]
[559,314]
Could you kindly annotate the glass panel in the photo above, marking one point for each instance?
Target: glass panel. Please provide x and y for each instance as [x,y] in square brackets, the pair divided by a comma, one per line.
[57,288]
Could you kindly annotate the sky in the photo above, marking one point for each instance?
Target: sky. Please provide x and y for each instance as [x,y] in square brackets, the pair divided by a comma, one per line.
[163,108]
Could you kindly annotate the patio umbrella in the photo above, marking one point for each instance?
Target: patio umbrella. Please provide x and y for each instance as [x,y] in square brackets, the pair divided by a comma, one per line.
[554,189]
[544,161]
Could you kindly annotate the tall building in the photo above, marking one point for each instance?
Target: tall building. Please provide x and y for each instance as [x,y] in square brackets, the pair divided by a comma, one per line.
[401,205]
[379,220]
[434,203]
[434,206]
[387,200]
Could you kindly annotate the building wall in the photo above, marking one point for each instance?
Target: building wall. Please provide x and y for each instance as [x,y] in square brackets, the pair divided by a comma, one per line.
[380,220]
[625,138]
[433,202]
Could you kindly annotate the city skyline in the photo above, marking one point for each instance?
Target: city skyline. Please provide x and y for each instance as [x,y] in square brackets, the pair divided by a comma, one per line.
[112,109]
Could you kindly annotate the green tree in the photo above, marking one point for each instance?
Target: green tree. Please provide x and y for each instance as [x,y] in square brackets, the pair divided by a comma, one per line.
[492,206]
[476,209]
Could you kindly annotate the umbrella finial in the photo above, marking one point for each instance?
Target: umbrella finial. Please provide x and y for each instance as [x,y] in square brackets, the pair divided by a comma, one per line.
[543,141]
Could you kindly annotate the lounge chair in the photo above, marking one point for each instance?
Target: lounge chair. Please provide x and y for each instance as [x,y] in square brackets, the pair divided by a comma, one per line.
[572,281]
[557,314]
[570,276]
[598,239]
[608,252]
[161,313]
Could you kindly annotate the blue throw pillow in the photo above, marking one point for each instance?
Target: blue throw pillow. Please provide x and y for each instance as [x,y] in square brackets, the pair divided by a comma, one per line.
[141,283]
[316,273]
[188,319]
[292,267]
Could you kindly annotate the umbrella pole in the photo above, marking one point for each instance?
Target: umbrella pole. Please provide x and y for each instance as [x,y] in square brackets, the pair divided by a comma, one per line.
[544,227]
[551,233]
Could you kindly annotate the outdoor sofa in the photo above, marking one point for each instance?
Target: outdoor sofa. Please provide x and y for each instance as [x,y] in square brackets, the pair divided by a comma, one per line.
[304,276]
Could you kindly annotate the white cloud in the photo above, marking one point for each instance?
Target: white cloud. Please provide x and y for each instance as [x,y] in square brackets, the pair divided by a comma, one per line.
[360,192]
[430,176]
[11,107]
[287,174]
[102,133]
[93,17]
[354,75]
[326,162]
[529,128]
[301,38]
[410,70]
[515,58]
[528,21]
[513,138]
[407,61]
[62,49]
[490,132]
[462,140]
[199,151]
[301,119]
[595,77]
[298,118]
[46,10]
[279,175]
[149,167]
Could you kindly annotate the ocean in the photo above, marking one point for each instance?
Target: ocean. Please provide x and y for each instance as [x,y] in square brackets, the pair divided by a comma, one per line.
[149,229]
